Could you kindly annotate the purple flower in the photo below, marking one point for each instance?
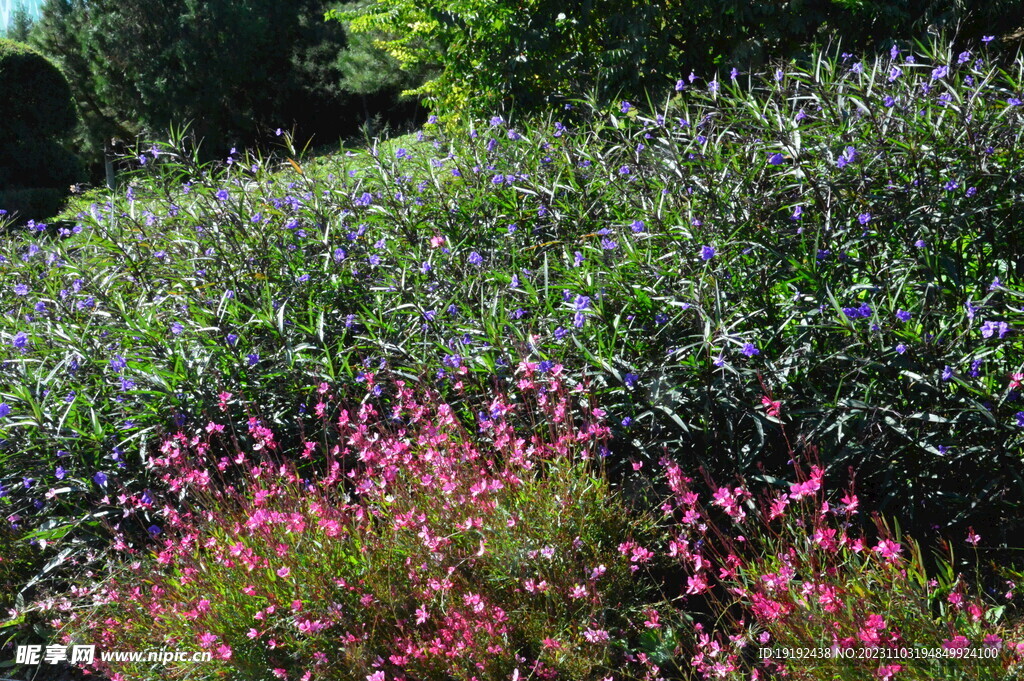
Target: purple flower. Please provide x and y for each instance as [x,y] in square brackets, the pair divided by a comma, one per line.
[100,478]
[1013,101]
[798,213]
[374,260]
[776,159]
[940,72]
[987,39]
[154,530]
[680,85]
[734,73]
[60,473]
[581,303]
[894,73]
[903,316]
[901,348]
[222,194]
[630,379]
[947,373]
[339,254]
[579,319]
[707,252]
[989,328]
[177,328]
[21,289]
[118,363]
[476,259]
[253,358]
[1020,419]
[848,156]
[864,218]
[749,349]
[888,101]
[560,333]
[608,244]
[5,409]
[20,340]
[626,106]
[637,226]
[624,170]
[232,339]
[578,259]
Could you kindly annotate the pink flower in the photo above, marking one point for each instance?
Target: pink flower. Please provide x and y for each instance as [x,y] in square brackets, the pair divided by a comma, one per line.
[958,642]
[888,671]
[578,591]
[207,639]
[772,408]
[696,584]
[422,615]
[224,652]
[992,640]
[376,676]
[283,572]
[888,549]
[972,538]
[596,635]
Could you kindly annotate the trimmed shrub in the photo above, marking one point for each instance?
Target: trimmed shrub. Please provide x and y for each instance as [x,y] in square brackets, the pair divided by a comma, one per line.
[36,112]
[37,98]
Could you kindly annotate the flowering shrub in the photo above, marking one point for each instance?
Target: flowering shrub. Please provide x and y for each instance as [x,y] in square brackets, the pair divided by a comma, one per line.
[420,551]
[822,246]
[799,592]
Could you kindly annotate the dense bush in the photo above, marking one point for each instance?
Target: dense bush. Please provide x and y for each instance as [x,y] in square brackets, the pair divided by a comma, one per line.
[800,591]
[418,550]
[827,250]
[494,55]
[401,545]
[38,115]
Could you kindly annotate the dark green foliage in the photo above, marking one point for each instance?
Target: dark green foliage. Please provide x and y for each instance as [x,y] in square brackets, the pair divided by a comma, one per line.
[234,71]
[35,168]
[19,562]
[42,107]
[522,54]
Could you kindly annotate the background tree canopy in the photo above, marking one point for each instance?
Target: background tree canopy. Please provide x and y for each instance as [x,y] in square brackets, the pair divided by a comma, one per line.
[235,70]
[489,55]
